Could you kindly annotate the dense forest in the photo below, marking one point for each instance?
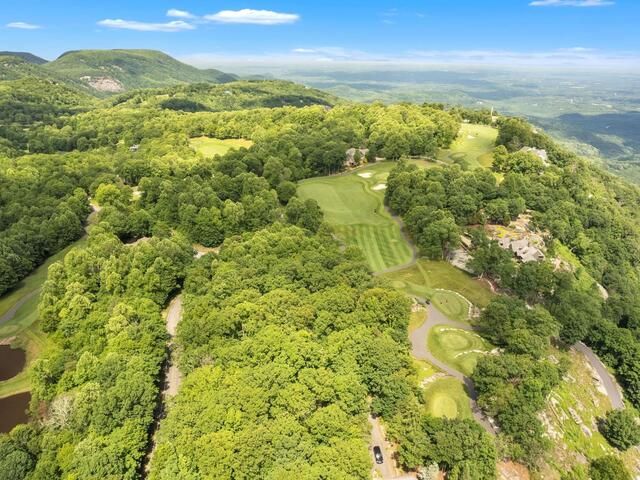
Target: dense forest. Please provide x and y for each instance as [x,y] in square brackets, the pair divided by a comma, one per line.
[288,342]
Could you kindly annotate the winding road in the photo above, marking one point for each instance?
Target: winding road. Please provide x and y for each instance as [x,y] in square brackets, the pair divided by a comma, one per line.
[420,351]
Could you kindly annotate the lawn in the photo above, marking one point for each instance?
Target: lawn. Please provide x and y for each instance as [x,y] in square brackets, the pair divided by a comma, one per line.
[442,284]
[446,397]
[473,146]
[458,348]
[353,205]
[210,147]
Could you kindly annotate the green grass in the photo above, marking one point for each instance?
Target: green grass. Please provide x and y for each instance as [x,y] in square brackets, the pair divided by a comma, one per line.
[585,280]
[473,147]
[458,348]
[23,326]
[357,213]
[32,340]
[570,441]
[440,282]
[210,147]
[28,285]
[446,397]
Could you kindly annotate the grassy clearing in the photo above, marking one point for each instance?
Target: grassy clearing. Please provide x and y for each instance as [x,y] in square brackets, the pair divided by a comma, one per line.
[210,147]
[446,397]
[473,147]
[458,348]
[353,205]
[441,282]
[23,326]
[28,285]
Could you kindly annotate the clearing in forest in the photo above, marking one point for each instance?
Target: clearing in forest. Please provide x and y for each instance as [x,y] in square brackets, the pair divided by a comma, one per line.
[353,204]
[210,147]
[473,147]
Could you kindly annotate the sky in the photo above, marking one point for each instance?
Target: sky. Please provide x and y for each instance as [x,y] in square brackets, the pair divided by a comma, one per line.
[583,33]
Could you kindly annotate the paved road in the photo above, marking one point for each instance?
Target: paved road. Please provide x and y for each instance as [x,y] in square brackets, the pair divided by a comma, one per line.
[608,381]
[420,350]
[386,470]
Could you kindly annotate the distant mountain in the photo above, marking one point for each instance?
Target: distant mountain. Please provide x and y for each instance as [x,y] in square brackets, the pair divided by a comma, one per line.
[29,57]
[115,71]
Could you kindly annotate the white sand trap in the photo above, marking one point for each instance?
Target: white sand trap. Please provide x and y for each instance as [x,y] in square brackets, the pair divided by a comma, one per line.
[471,137]
[380,186]
[366,175]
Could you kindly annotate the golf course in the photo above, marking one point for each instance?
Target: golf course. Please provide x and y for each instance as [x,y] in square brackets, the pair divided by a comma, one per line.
[473,147]
[353,204]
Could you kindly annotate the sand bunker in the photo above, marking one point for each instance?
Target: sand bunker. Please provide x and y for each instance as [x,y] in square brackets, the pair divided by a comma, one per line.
[380,186]
[365,175]
[470,137]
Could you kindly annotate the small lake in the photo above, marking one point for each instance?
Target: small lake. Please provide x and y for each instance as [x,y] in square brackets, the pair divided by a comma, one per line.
[12,361]
[14,411]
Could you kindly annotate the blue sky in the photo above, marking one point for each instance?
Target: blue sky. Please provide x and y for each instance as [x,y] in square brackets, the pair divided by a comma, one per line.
[208,33]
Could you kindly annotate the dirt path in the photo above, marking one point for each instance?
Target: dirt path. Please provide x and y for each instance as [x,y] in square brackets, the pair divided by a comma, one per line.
[608,381]
[173,378]
[420,350]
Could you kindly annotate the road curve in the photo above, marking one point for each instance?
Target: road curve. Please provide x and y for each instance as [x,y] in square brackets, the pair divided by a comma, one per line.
[608,382]
[420,350]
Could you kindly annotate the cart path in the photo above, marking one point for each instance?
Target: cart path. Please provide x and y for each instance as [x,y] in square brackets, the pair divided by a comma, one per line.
[420,350]
[608,381]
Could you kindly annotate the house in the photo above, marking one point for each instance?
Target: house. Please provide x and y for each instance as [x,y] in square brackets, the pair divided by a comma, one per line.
[352,159]
[134,148]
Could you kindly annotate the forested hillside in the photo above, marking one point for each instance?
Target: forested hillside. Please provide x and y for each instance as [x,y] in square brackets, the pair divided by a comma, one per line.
[108,71]
[289,348]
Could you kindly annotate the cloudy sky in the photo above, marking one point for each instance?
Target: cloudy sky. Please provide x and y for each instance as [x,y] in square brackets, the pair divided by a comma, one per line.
[209,33]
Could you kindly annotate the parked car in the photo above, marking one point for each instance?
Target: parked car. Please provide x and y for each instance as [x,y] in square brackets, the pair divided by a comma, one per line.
[377,454]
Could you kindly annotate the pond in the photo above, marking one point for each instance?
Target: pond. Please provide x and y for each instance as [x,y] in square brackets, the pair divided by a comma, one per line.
[14,411]
[12,361]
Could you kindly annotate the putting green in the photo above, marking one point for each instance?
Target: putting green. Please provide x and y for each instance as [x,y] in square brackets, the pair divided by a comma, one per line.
[353,205]
[444,285]
[473,147]
[210,147]
[458,348]
[446,398]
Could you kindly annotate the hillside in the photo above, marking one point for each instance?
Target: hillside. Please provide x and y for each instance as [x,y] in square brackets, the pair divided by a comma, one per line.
[238,95]
[28,57]
[114,71]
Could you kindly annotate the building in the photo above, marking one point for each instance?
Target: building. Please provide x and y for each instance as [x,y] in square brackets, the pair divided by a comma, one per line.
[351,160]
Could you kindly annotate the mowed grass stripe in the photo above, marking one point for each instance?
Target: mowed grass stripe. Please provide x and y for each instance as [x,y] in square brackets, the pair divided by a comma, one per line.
[358,215]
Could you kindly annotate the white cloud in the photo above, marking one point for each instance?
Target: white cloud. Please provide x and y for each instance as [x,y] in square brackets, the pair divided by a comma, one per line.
[256,17]
[173,12]
[23,26]
[174,26]
[573,57]
[571,3]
